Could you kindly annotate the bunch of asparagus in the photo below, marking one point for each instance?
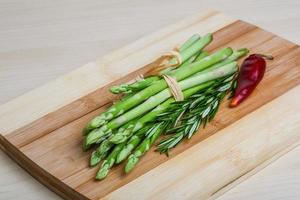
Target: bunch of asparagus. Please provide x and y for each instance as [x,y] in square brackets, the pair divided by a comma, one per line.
[131,126]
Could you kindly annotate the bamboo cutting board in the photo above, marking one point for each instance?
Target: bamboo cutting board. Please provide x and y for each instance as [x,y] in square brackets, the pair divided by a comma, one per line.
[41,130]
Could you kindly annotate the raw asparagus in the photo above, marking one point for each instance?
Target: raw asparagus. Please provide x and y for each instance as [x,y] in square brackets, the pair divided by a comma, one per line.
[237,54]
[136,86]
[201,55]
[101,152]
[132,143]
[155,100]
[191,51]
[141,84]
[189,42]
[180,74]
[122,134]
[104,148]
[133,159]
[109,162]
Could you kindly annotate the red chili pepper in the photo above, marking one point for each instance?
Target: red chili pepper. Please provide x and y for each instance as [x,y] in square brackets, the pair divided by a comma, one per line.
[251,73]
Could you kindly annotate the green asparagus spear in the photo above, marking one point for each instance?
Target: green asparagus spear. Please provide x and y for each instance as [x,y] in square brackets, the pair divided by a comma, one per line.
[101,152]
[157,99]
[237,54]
[201,55]
[109,161]
[195,58]
[189,42]
[141,84]
[123,134]
[120,107]
[143,147]
[132,143]
[191,51]
[188,50]
[160,97]
[103,149]
[233,57]
[120,136]
[136,86]
[86,145]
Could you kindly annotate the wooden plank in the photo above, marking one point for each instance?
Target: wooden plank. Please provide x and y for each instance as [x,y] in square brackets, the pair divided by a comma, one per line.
[203,170]
[48,143]
[244,177]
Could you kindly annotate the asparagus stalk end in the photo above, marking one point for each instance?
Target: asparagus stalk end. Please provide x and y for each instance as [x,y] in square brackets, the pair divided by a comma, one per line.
[244,51]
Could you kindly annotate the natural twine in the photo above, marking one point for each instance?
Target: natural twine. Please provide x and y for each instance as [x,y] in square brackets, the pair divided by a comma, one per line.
[164,62]
[174,87]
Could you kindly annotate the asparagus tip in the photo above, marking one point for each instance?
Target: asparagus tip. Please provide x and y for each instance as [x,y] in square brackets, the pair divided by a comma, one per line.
[95,136]
[132,161]
[96,122]
[102,173]
[95,159]
[122,156]
[114,89]
[117,89]
[117,138]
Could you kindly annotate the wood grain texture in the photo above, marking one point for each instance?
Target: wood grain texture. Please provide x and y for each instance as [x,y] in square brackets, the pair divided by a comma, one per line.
[54,148]
[205,169]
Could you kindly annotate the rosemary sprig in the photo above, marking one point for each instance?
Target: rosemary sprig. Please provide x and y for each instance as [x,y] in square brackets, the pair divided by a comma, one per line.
[184,118]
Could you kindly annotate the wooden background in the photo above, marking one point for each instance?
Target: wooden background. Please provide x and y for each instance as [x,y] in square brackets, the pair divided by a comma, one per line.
[67,34]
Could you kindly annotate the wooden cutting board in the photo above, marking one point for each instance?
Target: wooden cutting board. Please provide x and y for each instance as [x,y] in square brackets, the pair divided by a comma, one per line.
[41,130]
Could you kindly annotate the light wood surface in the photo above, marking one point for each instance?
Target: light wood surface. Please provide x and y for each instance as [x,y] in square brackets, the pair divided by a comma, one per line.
[207,169]
[47,144]
[26,45]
